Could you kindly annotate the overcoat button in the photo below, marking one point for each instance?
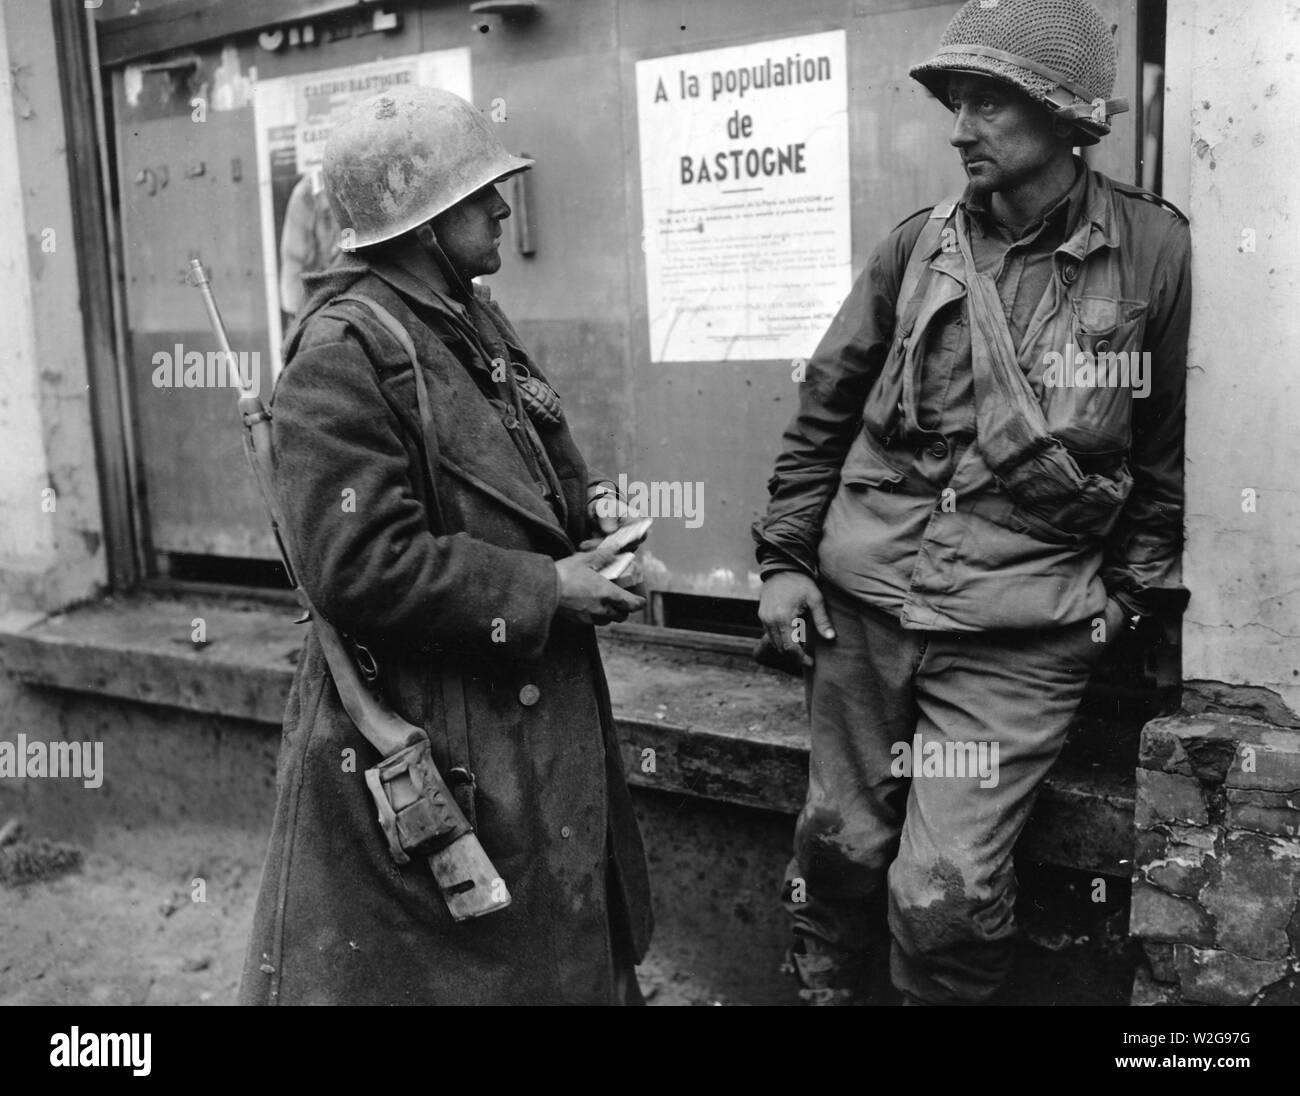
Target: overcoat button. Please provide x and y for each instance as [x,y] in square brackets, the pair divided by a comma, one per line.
[529,695]
[1103,345]
[565,831]
[939,450]
[1069,273]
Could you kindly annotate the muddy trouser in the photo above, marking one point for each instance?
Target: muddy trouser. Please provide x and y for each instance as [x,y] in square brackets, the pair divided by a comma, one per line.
[938,847]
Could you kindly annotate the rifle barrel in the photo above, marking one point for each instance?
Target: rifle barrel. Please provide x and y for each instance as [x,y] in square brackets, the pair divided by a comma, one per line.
[199,277]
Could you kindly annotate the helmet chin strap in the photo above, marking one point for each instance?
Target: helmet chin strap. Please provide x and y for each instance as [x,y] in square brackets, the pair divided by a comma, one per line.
[428,240]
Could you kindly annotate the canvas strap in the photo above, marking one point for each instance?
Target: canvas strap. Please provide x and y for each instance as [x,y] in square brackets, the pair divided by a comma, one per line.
[460,776]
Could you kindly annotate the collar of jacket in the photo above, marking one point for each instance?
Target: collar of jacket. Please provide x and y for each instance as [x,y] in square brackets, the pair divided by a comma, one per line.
[428,281]
[1059,218]
[495,471]
[1092,223]
[418,277]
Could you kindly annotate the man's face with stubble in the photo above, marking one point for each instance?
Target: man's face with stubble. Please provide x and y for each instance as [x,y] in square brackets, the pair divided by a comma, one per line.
[1005,139]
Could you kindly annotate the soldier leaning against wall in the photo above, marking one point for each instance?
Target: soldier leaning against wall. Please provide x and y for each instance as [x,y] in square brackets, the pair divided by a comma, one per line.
[969,512]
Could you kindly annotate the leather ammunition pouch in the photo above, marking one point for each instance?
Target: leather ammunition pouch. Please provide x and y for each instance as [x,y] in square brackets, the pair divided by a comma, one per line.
[417,810]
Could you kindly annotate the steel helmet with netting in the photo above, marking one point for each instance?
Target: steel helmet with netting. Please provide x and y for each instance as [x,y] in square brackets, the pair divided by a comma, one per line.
[1058,52]
[405,155]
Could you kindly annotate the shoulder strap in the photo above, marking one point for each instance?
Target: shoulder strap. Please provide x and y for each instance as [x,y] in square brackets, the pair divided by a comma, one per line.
[1149,196]
[460,774]
[393,326]
[909,301]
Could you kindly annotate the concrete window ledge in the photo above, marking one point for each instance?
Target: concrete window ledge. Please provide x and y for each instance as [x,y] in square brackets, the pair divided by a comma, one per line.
[721,727]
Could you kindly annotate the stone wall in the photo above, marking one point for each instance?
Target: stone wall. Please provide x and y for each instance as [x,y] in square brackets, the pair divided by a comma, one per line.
[1216,877]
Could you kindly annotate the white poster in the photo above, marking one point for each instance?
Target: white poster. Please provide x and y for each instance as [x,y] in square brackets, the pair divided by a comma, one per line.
[293,117]
[745,198]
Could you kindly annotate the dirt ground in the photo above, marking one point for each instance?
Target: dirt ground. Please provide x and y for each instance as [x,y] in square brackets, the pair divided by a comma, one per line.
[124,928]
[118,932]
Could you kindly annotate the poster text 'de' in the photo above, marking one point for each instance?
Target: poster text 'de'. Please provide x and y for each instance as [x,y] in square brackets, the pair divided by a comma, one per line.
[745,198]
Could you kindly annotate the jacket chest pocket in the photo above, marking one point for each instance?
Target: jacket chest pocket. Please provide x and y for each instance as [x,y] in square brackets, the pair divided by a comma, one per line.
[880,412]
[1088,393]
[864,467]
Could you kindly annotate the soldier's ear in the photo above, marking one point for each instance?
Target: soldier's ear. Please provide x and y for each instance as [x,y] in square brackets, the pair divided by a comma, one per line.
[1063,129]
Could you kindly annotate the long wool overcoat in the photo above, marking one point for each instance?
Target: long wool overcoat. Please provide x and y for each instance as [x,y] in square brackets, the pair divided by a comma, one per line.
[337,921]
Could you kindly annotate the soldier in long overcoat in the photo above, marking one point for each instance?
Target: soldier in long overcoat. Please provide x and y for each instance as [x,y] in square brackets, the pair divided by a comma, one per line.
[449,552]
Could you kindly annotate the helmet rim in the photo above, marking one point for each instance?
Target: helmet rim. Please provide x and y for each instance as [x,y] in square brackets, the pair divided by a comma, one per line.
[932,75]
[402,157]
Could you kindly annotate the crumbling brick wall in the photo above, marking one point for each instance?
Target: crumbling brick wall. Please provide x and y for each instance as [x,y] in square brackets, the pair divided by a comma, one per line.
[1216,874]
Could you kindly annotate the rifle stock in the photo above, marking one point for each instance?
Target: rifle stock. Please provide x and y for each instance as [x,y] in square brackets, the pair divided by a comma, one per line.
[470,885]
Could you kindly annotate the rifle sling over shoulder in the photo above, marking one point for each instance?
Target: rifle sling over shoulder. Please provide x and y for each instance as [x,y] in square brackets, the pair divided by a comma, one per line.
[460,775]
[429,440]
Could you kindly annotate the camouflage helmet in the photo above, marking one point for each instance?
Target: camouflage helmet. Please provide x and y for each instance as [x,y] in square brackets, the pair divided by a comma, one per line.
[1058,52]
[405,155]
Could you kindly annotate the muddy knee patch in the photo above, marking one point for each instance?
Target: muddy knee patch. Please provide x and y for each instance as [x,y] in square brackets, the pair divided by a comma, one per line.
[933,906]
[838,863]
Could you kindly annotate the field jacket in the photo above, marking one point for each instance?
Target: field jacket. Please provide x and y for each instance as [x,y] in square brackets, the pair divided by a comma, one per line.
[1069,491]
